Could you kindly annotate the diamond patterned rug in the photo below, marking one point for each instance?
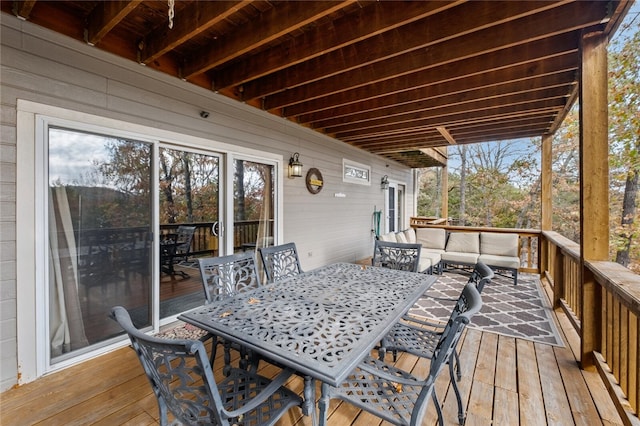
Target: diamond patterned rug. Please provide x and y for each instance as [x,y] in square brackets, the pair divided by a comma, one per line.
[519,311]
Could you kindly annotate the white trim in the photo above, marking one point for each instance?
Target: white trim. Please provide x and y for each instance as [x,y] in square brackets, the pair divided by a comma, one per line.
[31,263]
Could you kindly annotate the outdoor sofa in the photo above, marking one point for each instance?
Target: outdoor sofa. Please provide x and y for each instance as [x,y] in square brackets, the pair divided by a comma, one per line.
[442,249]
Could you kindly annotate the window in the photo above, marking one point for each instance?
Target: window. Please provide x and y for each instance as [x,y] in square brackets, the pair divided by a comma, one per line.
[357,173]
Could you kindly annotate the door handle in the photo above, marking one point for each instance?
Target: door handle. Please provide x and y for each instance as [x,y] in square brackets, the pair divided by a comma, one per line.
[215,229]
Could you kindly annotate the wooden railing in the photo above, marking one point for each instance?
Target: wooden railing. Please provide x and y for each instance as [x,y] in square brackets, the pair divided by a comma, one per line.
[245,232]
[601,300]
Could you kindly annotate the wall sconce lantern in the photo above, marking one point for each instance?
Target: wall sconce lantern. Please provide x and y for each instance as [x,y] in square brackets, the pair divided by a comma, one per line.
[295,166]
[384,182]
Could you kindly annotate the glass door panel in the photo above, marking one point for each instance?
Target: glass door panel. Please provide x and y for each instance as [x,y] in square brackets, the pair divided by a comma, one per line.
[99,230]
[253,207]
[189,194]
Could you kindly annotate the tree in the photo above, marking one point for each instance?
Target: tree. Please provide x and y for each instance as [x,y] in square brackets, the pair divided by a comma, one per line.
[624,134]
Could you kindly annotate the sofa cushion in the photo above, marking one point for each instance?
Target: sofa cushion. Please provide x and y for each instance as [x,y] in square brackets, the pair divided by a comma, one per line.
[509,262]
[499,244]
[464,242]
[460,257]
[401,238]
[389,238]
[410,235]
[435,258]
[431,238]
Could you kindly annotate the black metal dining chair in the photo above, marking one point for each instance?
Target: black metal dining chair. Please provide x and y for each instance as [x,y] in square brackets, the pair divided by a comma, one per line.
[223,277]
[400,256]
[182,380]
[280,261]
[394,394]
[419,337]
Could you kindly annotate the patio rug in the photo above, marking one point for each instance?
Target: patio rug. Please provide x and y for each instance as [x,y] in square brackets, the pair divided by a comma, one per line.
[519,311]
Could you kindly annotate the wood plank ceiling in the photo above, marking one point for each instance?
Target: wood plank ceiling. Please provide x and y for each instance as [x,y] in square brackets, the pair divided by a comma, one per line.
[395,78]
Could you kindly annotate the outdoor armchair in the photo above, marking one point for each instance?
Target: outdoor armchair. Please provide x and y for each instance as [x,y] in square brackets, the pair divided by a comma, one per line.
[280,261]
[394,394]
[223,277]
[400,256]
[182,380]
[419,337]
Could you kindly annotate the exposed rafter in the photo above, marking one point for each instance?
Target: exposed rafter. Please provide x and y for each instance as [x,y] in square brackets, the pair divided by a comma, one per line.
[398,79]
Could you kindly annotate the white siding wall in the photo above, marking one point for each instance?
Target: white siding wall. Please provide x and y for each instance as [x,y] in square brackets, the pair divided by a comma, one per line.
[43,67]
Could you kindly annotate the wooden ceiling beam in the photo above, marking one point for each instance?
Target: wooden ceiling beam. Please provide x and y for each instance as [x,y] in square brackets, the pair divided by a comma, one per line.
[460,100]
[280,20]
[458,133]
[554,71]
[445,134]
[443,111]
[520,58]
[22,9]
[550,106]
[193,20]
[366,22]
[451,23]
[105,16]
[520,32]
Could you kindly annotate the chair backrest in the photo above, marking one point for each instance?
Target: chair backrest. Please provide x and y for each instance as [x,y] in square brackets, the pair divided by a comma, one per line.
[481,276]
[280,261]
[469,303]
[401,256]
[184,236]
[225,276]
[179,373]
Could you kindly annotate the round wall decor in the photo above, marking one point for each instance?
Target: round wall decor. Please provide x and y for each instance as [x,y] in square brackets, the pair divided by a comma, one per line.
[314,180]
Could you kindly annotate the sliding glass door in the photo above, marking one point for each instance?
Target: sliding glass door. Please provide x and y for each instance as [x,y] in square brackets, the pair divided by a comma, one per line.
[189,210]
[100,232]
[126,221]
[254,205]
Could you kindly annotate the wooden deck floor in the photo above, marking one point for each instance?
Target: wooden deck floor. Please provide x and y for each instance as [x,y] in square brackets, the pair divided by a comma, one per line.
[505,381]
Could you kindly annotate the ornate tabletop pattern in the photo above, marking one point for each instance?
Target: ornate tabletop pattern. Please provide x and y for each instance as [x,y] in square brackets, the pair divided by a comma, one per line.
[323,320]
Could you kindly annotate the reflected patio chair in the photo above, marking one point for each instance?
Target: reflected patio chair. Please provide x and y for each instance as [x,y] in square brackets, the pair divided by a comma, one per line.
[394,394]
[184,238]
[182,380]
[223,277]
[400,256]
[419,337]
[280,261]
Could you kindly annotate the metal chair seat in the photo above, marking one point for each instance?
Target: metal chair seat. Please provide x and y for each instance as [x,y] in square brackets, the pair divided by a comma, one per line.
[183,382]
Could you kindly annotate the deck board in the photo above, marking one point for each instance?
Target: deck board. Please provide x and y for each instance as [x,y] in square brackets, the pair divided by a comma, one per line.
[505,381]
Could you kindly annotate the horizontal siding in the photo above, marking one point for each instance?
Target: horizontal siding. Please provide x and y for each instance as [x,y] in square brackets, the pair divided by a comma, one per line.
[43,67]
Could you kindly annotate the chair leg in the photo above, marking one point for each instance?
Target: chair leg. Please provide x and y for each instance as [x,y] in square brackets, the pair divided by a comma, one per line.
[454,383]
[438,408]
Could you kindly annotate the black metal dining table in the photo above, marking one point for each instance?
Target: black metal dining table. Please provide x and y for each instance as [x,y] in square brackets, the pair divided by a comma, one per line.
[320,323]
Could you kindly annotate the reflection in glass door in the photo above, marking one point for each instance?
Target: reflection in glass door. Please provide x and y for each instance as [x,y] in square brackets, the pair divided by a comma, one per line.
[253,207]
[99,233]
[189,194]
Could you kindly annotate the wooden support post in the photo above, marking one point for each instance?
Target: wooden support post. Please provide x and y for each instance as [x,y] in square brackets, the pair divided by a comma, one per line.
[546,176]
[594,183]
[444,208]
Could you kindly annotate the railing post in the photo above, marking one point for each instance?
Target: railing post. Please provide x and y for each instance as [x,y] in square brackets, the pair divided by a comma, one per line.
[594,181]
[558,276]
